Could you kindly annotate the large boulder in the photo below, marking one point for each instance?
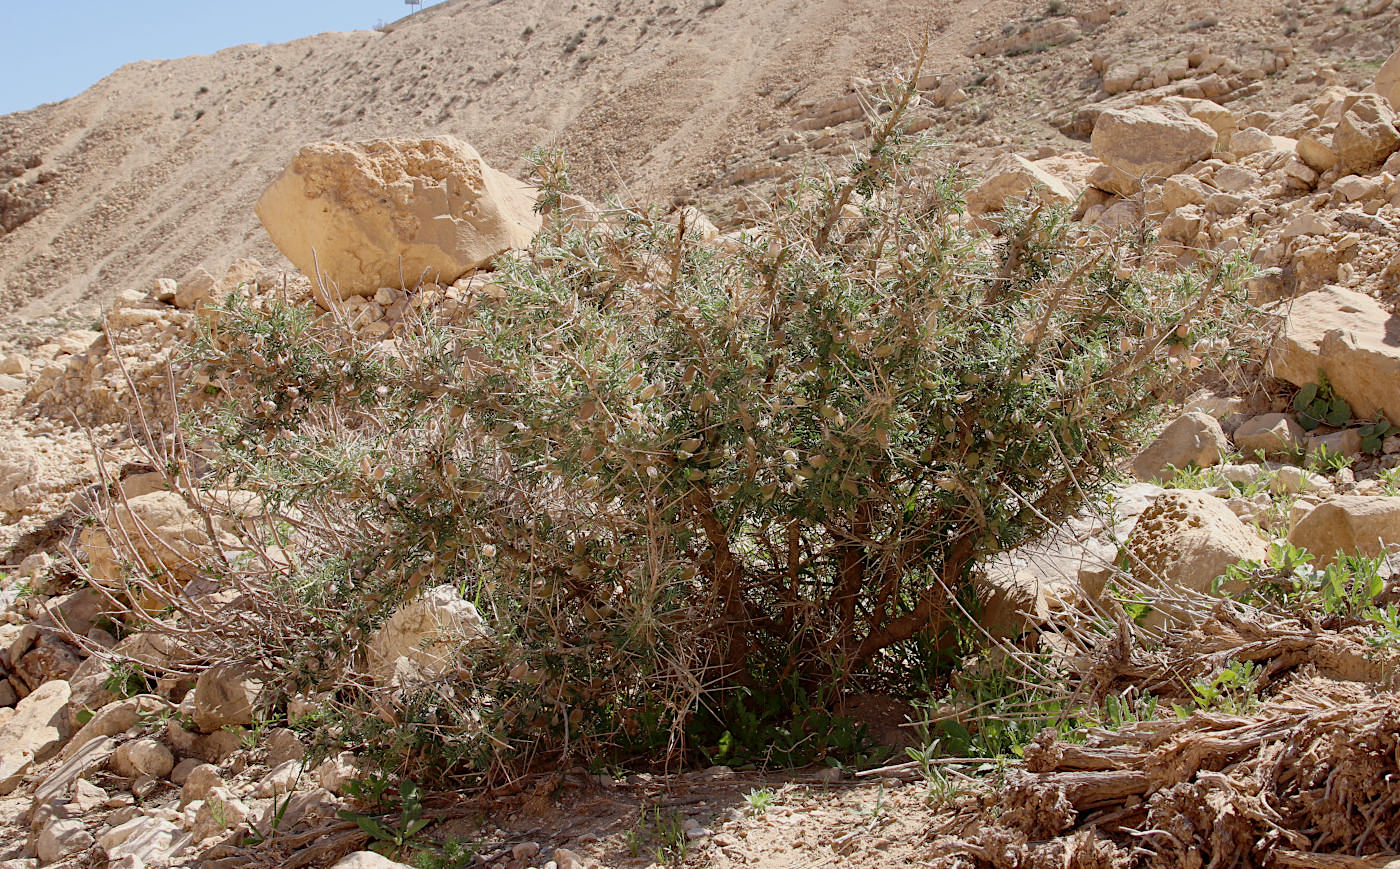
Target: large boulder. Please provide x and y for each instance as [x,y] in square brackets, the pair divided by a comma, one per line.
[420,639]
[1350,338]
[1148,143]
[1012,177]
[1366,133]
[393,212]
[1348,525]
[1387,82]
[1191,439]
[1188,538]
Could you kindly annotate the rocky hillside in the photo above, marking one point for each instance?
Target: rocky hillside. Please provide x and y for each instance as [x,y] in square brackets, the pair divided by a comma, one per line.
[155,169]
[1195,666]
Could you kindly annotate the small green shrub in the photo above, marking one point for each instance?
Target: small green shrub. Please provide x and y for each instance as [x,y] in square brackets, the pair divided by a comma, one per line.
[1289,583]
[1317,404]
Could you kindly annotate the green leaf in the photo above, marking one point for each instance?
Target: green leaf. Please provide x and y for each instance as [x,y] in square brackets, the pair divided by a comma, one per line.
[1305,397]
[371,827]
[415,827]
[1339,413]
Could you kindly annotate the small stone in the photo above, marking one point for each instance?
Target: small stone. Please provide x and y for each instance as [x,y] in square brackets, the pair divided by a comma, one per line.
[1272,434]
[61,838]
[566,859]
[181,773]
[367,860]
[87,797]
[1191,439]
[143,757]
[199,782]
[282,746]
[525,850]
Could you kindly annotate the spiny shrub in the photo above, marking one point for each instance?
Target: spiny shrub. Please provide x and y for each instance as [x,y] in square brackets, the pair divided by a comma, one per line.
[665,466]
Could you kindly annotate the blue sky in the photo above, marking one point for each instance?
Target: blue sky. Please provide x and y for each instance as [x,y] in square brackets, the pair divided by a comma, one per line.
[54,49]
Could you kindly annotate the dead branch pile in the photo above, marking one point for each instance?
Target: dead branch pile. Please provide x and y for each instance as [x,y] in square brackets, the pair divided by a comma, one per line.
[1311,778]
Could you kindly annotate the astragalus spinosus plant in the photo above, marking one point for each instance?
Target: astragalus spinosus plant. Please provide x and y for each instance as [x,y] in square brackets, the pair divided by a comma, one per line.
[663,466]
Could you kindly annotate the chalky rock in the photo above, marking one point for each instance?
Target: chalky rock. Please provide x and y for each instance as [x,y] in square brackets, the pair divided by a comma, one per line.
[1012,177]
[1349,525]
[1351,339]
[420,639]
[394,212]
[1187,538]
[1148,143]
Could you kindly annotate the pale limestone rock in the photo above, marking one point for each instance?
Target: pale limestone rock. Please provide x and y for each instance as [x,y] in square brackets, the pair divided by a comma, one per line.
[1148,143]
[34,734]
[224,696]
[169,537]
[1190,439]
[1012,177]
[1387,82]
[199,782]
[1272,434]
[1187,538]
[283,745]
[420,639]
[1366,133]
[1315,148]
[1348,524]
[151,839]
[1349,337]
[1250,141]
[367,860]
[116,718]
[60,838]
[143,757]
[220,812]
[393,212]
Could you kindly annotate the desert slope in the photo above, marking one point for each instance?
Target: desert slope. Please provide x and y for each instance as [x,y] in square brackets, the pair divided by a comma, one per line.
[158,165]
[154,170]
